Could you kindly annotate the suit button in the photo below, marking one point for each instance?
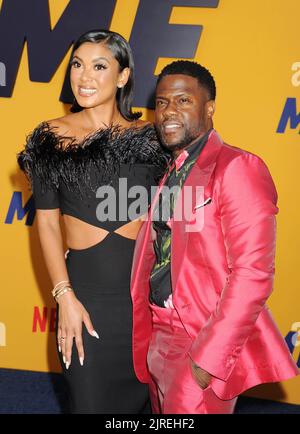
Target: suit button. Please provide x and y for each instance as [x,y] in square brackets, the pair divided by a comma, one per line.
[230,362]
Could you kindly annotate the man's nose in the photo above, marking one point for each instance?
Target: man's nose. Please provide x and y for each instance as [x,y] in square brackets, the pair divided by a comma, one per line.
[170,110]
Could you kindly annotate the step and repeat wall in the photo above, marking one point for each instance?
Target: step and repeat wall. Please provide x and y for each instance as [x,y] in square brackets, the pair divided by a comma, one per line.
[252,49]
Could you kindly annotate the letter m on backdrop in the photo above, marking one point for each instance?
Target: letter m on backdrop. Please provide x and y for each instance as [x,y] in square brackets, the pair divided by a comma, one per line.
[16,207]
[289,114]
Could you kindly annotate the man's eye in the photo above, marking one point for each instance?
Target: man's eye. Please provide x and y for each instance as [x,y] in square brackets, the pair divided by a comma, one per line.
[159,103]
[100,66]
[184,100]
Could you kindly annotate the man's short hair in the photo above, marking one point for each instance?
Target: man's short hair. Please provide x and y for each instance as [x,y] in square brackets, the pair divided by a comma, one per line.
[193,69]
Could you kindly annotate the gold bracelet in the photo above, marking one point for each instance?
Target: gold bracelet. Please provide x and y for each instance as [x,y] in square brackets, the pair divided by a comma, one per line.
[59,283]
[59,289]
[59,286]
[62,292]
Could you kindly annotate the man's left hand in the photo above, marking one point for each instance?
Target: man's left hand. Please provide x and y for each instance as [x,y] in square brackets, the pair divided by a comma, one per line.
[202,377]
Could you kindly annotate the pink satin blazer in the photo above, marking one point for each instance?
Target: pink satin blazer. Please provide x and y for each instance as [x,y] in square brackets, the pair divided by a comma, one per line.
[222,273]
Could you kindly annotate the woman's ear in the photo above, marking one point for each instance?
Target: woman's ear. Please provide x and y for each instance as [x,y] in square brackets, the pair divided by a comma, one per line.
[123,77]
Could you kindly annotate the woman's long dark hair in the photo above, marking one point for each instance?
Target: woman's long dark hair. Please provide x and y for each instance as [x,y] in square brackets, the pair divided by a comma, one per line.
[122,53]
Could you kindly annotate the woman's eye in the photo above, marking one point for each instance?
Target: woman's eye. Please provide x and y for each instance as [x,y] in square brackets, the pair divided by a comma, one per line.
[75,64]
[100,66]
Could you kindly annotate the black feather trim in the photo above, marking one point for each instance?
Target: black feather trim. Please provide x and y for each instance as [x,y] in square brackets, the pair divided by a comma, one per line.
[54,158]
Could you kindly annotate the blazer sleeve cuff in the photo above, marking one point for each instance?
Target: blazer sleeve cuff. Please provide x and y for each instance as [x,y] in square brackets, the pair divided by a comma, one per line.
[217,367]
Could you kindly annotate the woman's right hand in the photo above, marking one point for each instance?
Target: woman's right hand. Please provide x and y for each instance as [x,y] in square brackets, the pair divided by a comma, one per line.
[71,316]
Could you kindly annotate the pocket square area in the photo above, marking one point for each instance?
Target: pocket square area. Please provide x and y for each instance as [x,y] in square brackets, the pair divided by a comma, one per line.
[206,202]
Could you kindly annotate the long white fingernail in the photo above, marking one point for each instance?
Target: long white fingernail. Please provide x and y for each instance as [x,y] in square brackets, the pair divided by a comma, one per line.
[81,360]
[64,359]
[95,334]
[67,365]
[59,348]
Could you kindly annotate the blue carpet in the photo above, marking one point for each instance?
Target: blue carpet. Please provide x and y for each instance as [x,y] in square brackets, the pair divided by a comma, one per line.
[25,392]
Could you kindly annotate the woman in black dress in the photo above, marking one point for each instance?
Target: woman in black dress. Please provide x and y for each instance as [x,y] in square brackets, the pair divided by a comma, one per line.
[83,166]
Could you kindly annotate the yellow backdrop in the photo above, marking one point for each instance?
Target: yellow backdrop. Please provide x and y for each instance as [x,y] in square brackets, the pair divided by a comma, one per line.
[252,49]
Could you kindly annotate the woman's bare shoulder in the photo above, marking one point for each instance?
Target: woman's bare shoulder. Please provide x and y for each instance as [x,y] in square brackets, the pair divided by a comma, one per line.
[64,125]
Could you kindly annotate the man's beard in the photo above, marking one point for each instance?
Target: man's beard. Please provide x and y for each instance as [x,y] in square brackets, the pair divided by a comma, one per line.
[187,139]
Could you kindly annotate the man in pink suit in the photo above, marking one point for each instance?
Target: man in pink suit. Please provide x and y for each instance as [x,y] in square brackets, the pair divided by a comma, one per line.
[204,262]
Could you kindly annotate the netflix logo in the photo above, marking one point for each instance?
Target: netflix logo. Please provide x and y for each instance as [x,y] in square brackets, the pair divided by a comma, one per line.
[43,319]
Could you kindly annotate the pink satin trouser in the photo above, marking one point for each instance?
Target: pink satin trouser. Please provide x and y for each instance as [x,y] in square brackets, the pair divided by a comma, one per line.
[173,389]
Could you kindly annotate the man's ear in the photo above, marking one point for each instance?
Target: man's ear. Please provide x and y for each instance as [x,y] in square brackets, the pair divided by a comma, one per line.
[210,108]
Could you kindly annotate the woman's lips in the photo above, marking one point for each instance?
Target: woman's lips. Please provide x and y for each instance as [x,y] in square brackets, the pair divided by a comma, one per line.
[85,91]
